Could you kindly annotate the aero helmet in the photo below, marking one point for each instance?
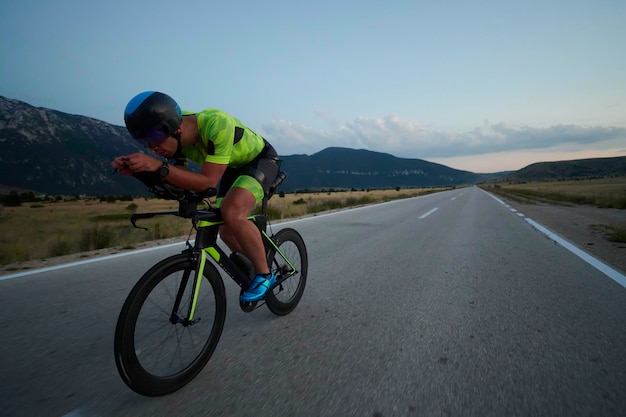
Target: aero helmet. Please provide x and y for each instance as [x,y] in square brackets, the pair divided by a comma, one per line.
[152,116]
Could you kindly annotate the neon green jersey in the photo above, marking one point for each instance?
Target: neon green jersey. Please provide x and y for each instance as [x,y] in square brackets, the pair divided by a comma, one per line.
[224,140]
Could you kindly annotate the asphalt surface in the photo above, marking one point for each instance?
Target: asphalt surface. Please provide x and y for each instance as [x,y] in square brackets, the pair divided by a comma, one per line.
[444,305]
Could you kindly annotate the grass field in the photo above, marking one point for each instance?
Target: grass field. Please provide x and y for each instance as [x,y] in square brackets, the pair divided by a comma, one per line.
[43,230]
[602,192]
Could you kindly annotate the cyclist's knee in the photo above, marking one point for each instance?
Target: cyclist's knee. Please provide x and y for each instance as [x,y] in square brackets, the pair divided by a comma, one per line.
[229,238]
[236,206]
[233,216]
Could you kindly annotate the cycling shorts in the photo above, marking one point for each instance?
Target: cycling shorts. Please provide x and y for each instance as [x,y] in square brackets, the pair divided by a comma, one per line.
[256,176]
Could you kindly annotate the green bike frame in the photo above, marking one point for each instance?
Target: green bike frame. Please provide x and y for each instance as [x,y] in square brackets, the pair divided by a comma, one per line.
[206,246]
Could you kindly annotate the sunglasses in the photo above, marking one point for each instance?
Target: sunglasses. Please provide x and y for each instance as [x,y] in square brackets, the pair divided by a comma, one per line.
[153,136]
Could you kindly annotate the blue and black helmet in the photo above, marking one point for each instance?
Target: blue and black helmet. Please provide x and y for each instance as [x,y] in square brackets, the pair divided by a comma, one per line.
[150,112]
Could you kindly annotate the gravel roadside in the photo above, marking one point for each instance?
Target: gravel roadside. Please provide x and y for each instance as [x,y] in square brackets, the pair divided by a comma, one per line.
[584,226]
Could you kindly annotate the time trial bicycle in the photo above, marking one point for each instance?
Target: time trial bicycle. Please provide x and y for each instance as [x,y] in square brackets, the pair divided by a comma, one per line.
[172,320]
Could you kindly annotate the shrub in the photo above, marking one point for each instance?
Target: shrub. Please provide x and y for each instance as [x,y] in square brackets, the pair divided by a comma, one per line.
[12,200]
[60,248]
[326,205]
[13,253]
[617,234]
[98,237]
[110,217]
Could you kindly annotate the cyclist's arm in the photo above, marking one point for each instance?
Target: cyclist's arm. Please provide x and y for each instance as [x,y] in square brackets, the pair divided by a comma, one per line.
[195,181]
[209,177]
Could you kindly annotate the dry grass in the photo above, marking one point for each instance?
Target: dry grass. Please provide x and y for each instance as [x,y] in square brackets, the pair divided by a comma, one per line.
[300,204]
[43,230]
[603,192]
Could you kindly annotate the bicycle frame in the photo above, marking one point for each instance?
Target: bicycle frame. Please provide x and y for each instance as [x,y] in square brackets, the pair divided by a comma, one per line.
[141,345]
[207,223]
[205,246]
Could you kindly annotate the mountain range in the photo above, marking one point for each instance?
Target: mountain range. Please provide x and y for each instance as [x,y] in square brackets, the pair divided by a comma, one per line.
[51,152]
[576,169]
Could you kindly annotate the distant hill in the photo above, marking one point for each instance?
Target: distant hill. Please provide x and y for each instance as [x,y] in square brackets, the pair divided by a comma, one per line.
[47,151]
[52,152]
[576,169]
[351,168]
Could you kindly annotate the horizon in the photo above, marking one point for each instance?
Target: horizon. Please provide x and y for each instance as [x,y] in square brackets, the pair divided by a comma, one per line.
[586,153]
[363,149]
[480,87]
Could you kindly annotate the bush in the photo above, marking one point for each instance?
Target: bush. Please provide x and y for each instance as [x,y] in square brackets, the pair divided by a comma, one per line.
[60,248]
[617,234]
[326,205]
[12,200]
[13,253]
[113,217]
[98,237]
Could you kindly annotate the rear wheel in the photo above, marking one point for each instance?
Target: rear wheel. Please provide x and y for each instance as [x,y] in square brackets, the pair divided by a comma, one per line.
[158,349]
[290,264]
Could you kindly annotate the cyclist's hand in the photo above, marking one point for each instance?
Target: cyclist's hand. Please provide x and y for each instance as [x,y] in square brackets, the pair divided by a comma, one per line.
[137,162]
[121,165]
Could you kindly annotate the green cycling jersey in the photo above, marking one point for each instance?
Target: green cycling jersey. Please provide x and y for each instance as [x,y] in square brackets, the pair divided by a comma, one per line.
[224,140]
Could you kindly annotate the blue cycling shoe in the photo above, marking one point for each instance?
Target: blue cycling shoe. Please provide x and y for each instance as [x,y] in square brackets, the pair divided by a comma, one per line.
[258,288]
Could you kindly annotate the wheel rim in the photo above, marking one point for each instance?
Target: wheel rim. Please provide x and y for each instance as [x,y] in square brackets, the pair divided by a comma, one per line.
[166,347]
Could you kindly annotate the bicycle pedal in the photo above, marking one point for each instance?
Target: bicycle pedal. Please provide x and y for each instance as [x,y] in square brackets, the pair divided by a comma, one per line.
[248,307]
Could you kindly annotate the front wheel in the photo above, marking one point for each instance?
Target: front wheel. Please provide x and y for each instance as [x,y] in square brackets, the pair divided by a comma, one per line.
[290,264]
[158,347]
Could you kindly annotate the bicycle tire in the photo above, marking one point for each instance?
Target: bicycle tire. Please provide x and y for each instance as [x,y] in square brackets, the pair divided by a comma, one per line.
[151,301]
[285,296]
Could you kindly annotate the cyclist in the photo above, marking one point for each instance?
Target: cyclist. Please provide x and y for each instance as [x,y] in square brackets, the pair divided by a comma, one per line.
[234,159]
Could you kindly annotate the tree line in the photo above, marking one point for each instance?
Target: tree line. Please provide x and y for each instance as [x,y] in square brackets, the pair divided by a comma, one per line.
[15,199]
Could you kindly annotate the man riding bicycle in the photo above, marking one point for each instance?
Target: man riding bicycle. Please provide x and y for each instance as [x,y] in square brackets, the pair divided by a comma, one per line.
[234,159]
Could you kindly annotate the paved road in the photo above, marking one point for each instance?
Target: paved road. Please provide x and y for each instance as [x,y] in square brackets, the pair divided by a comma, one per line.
[444,305]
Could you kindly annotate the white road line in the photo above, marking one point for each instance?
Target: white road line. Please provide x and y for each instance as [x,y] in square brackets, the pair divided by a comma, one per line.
[86,261]
[600,266]
[423,216]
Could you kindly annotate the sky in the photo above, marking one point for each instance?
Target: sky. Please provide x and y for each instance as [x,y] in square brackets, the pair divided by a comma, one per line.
[482,85]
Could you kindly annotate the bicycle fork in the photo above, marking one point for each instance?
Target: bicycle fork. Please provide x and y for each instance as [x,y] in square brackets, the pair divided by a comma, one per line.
[195,291]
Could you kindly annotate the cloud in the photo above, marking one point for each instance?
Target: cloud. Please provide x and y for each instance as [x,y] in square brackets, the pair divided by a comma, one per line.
[408,138]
